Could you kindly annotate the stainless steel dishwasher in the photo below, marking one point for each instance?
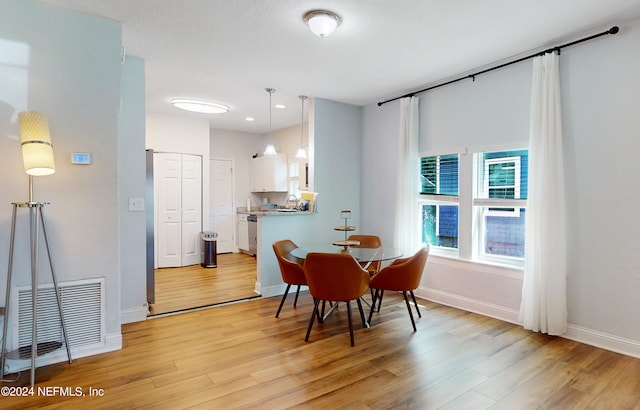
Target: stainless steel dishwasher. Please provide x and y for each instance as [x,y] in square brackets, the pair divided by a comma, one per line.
[252,221]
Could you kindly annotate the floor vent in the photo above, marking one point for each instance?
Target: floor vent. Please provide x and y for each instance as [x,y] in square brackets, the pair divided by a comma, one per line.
[83,307]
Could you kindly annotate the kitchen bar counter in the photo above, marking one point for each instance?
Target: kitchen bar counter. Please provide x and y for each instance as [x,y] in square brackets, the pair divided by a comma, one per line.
[273,226]
[274,212]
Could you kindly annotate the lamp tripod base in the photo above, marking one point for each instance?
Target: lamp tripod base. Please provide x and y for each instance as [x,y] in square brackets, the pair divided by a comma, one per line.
[36,218]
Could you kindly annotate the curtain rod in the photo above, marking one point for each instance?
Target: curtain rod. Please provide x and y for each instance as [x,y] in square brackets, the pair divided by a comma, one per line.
[612,30]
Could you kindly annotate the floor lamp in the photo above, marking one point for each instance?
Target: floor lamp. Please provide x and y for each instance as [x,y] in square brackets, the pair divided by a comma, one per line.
[37,154]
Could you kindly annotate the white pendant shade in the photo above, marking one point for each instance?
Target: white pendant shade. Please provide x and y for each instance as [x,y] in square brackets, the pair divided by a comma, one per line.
[37,151]
[301,153]
[270,149]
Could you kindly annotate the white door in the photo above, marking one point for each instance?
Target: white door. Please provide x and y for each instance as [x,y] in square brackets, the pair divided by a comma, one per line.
[221,203]
[178,186]
[191,208]
[168,185]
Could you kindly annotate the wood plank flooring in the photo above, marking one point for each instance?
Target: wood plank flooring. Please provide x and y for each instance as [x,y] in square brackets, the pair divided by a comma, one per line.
[189,287]
[240,356]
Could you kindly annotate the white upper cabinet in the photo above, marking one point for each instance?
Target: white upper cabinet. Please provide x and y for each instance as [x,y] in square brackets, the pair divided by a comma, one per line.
[269,173]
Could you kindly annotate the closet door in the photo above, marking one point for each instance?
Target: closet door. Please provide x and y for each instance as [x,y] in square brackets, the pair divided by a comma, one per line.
[191,208]
[178,186]
[168,187]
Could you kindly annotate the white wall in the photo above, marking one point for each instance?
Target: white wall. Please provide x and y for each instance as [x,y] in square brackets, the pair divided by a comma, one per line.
[335,135]
[131,184]
[379,169]
[186,136]
[49,63]
[240,147]
[600,90]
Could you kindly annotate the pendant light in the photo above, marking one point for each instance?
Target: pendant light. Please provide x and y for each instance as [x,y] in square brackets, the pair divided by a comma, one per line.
[270,149]
[301,152]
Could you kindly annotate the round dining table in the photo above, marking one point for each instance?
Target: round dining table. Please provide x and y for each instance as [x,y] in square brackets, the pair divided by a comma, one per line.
[362,255]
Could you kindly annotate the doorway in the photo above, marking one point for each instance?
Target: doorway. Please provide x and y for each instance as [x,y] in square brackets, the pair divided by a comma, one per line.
[172,287]
[221,203]
[189,287]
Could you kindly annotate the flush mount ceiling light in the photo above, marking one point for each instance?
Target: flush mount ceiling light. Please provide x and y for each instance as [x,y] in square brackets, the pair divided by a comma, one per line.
[199,106]
[322,22]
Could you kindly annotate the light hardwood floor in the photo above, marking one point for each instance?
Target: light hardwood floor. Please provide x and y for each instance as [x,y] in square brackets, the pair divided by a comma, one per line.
[189,287]
[241,356]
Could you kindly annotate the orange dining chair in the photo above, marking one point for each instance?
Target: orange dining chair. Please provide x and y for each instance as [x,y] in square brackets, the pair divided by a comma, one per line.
[402,275]
[335,278]
[290,268]
[368,241]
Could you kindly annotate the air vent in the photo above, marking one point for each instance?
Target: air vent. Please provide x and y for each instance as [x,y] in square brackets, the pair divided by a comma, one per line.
[83,307]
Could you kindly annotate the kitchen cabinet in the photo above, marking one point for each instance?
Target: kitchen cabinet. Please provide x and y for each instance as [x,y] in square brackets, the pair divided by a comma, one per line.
[243,233]
[269,173]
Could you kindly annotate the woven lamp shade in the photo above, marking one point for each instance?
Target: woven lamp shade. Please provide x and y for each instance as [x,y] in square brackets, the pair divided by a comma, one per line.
[37,151]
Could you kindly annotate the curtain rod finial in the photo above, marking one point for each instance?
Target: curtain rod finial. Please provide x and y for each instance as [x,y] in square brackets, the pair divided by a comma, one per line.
[614,30]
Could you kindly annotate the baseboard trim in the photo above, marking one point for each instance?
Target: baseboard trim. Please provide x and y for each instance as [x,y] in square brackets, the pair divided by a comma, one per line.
[577,333]
[470,305]
[277,290]
[137,314]
[112,342]
[603,340]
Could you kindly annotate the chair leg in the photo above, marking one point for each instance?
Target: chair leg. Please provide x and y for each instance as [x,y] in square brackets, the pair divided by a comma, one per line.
[380,299]
[313,316]
[406,299]
[350,323]
[295,301]
[364,322]
[321,317]
[283,299]
[415,303]
[373,304]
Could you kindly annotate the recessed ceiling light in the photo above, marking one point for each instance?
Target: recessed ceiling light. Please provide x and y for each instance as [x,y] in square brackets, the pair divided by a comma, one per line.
[249,119]
[199,106]
[281,106]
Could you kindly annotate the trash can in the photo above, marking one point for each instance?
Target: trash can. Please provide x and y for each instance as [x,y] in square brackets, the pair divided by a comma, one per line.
[209,249]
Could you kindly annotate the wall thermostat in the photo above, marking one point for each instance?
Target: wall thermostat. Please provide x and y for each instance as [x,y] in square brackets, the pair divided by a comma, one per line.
[82,158]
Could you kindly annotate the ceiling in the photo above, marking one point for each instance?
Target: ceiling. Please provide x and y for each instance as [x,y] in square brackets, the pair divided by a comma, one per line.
[230,51]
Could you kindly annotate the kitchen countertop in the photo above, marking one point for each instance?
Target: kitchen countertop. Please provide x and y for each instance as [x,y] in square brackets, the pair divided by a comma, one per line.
[257,211]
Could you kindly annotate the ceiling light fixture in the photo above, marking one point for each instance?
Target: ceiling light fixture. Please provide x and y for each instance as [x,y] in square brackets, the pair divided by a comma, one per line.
[199,106]
[270,149]
[322,22]
[301,152]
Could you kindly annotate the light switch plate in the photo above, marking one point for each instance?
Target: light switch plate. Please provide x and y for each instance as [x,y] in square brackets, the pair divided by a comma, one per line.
[136,204]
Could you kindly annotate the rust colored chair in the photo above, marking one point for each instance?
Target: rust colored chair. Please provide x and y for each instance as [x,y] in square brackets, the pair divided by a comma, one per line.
[403,275]
[368,241]
[335,278]
[290,268]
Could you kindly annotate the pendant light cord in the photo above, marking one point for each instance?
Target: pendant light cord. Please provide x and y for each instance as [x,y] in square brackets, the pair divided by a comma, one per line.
[302,98]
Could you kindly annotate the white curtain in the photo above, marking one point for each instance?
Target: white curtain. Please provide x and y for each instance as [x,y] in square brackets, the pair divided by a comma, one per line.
[544,300]
[406,234]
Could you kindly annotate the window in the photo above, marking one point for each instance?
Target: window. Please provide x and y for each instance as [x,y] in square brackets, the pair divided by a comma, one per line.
[485,221]
[439,185]
[501,180]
